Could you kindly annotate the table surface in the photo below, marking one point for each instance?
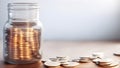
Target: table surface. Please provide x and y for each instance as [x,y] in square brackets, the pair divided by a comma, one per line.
[74,49]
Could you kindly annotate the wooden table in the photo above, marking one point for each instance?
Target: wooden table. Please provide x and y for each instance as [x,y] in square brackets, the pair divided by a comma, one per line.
[74,49]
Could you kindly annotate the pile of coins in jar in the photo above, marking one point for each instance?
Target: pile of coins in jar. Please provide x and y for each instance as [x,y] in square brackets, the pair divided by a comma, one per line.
[23,43]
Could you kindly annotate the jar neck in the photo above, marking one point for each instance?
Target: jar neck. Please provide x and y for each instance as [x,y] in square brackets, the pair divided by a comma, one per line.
[23,12]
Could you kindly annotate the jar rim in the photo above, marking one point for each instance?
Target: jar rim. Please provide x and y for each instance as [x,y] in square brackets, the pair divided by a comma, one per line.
[22,4]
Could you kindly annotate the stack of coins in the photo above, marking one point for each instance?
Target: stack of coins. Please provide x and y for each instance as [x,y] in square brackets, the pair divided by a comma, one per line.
[22,43]
[63,59]
[84,59]
[107,63]
[13,52]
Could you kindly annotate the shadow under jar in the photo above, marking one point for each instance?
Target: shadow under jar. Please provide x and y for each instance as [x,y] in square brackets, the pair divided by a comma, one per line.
[22,34]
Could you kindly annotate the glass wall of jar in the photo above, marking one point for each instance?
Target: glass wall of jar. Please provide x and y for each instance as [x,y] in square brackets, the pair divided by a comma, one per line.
[22,34]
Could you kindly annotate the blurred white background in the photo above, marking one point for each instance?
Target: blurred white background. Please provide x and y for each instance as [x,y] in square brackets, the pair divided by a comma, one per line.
[74,19]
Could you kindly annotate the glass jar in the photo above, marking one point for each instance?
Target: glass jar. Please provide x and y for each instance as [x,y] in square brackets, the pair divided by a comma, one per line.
[22,34]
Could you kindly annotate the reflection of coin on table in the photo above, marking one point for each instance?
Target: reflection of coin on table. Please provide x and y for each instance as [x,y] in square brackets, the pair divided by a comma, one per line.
[108,63]
[51,64]
[71,64]
[113,64]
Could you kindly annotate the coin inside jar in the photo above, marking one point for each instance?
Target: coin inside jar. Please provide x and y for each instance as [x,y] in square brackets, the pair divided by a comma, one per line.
[23,43]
